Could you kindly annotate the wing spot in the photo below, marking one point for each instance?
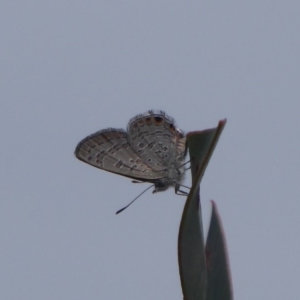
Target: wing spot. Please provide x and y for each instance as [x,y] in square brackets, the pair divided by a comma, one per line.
[148,121]
[133,167]
[119,164]
[142,134]
[120,134]
[135,125]
[150,145]
[141,122]
[158,120]
[106,138]
[172,128]
[111,151]
[116,147]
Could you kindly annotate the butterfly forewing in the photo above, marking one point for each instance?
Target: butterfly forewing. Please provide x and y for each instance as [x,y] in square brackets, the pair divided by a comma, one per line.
[110,150]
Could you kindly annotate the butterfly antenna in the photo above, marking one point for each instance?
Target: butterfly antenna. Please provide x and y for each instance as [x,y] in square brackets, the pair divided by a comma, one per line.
[120,210]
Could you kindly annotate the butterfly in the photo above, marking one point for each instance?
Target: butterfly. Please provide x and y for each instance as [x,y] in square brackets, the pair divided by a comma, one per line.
[152,149]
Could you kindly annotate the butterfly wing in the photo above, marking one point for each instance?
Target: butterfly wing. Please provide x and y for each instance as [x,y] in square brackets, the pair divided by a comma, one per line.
[157,140]
[110,150]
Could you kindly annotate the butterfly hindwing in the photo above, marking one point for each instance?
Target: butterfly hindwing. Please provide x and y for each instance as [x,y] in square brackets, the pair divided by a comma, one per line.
[156,139]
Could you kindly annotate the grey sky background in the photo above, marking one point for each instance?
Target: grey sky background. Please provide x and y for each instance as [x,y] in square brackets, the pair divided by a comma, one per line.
[70,68]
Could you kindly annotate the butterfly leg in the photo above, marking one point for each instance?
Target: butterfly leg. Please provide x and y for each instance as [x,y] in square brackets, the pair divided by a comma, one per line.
[180,192]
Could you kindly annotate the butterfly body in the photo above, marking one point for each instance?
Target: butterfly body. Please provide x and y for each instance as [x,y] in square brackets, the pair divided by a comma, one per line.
[152,150]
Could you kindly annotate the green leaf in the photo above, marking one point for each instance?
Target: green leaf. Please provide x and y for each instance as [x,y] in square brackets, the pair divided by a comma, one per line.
[219,285]
[191,252]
